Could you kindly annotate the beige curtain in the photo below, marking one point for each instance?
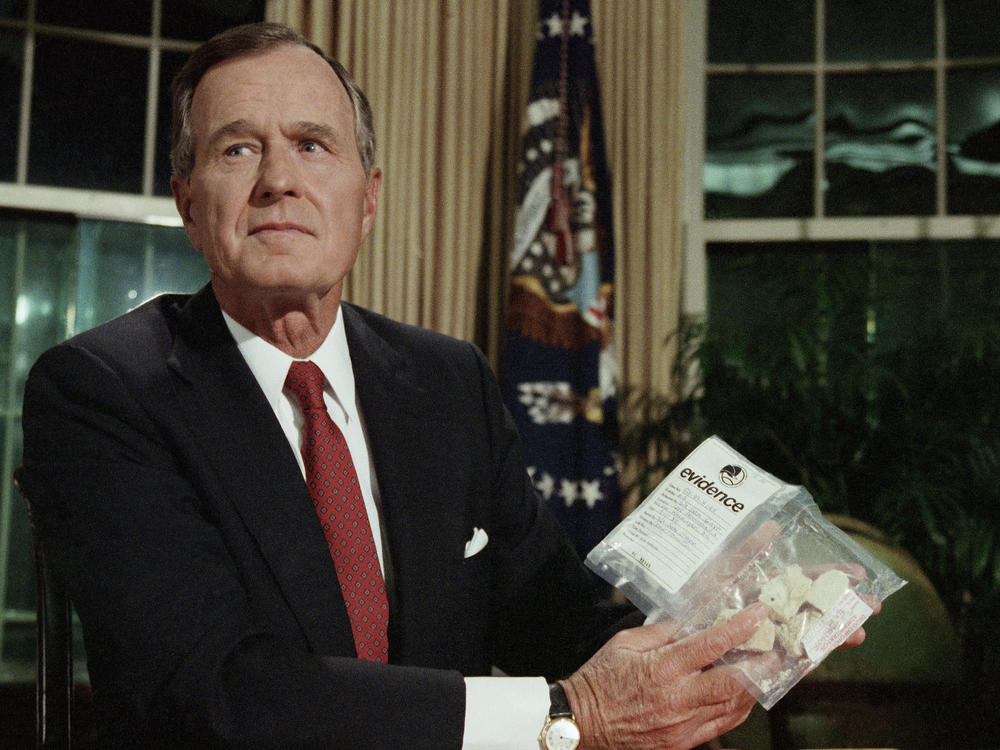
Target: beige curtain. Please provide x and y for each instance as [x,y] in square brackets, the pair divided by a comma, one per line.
[639,47]
[314,19]
[448,81]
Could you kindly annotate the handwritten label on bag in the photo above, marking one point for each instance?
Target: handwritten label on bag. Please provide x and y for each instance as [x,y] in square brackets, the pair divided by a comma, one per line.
[685,520]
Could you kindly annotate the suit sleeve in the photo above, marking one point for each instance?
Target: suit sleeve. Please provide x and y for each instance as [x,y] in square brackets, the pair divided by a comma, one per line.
[550,613]
[178,656]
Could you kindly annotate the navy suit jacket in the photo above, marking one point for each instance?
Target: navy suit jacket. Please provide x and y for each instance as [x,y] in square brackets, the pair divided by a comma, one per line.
[171,503]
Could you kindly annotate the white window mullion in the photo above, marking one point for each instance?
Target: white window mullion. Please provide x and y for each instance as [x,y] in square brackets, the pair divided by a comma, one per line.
[91,204]
[152,102]
[10,421]
[941,107]
[694,290]
[819,108]
[27,81]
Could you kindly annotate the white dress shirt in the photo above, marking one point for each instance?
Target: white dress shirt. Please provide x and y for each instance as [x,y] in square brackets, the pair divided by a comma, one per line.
[502,713]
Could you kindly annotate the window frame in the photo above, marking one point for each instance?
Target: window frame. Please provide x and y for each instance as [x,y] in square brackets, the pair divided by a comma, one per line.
[155,44]
[78,204]
[699,231]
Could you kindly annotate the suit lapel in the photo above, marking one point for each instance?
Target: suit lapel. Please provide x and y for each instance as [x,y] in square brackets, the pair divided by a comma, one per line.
[409,451]
[251,461]
[251,467]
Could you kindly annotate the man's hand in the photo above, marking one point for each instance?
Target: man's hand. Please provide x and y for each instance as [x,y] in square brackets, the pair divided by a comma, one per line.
[645,690]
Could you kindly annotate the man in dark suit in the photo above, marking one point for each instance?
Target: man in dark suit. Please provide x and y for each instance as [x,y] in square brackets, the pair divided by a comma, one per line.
[165,455]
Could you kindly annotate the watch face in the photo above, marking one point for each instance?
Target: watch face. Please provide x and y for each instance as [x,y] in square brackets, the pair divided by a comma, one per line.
[561,734]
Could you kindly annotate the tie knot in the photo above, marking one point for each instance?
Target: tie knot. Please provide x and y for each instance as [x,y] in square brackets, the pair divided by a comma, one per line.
[306,381]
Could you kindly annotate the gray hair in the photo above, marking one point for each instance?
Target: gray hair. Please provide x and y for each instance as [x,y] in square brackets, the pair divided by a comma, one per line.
[243,41]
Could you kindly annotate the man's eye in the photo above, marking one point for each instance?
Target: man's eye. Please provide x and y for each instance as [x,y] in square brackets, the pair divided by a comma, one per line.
[237,151]
[312,147]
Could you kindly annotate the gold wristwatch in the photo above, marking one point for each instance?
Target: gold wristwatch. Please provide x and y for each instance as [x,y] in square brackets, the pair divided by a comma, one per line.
[560,731]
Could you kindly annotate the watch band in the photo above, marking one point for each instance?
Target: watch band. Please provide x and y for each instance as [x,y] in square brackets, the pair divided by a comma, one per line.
[558,702]
[560,731]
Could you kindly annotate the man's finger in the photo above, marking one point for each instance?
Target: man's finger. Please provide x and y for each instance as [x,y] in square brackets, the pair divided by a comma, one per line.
[854,639]
[714,689]
[702,648]
[713,719]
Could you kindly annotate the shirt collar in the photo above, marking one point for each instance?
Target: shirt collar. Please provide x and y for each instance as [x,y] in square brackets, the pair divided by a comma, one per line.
[269,364]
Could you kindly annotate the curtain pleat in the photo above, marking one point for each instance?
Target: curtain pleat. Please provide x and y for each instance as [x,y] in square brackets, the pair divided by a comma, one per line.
[429,68]
[639,57]
[448,81]
[313,18]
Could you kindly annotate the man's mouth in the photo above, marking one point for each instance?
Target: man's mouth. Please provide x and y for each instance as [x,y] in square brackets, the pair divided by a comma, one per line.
[280,226]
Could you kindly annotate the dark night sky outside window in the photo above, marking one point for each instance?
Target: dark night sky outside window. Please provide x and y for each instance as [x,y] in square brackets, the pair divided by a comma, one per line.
[101,146]
[910,114]
[11,56]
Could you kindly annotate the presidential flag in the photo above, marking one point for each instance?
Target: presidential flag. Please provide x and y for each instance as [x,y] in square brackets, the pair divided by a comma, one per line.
[559,372]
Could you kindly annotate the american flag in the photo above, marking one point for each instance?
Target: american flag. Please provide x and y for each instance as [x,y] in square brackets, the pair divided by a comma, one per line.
[559,374]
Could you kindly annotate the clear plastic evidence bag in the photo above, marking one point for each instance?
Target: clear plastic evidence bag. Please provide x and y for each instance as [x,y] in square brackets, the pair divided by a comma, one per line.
[719,534]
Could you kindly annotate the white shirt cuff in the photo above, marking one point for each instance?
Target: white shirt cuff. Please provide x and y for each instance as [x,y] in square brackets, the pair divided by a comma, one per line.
[504,713]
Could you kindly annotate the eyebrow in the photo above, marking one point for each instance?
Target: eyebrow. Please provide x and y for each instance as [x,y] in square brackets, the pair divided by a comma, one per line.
[230,129]
[302,129]
[334,140]
[318,131]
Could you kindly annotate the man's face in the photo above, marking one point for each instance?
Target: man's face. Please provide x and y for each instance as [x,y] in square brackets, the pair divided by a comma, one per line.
[278,201]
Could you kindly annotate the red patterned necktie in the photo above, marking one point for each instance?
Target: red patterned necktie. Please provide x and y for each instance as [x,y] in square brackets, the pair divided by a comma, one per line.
[333,484]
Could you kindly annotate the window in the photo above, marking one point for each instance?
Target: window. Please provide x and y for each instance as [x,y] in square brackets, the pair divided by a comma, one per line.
[66,275]
[839,120]
[858,109]
[87,227]
[843,230]
[58,59]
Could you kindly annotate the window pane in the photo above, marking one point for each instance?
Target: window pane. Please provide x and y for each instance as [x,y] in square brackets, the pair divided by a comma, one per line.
[170,64]
[787,321]
[196,20]
[853,358]
[972,28]
[974,141]
[11,67]
[111,271]
[861,30]
[59,276]
[759,152]
[20,587]
[45,306]
[8,301]
[759,292]
[13,9]
[126,16]
[934,290]
[124,264]
[739,31]
[18,637]
[100,145]
[177,266]
[880,144]
[74,277]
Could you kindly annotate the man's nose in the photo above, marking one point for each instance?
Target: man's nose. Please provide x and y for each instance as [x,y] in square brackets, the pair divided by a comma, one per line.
[278,175]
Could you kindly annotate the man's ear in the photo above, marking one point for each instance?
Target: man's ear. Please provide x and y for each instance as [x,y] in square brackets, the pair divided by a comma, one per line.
[371,200]
[181,188]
